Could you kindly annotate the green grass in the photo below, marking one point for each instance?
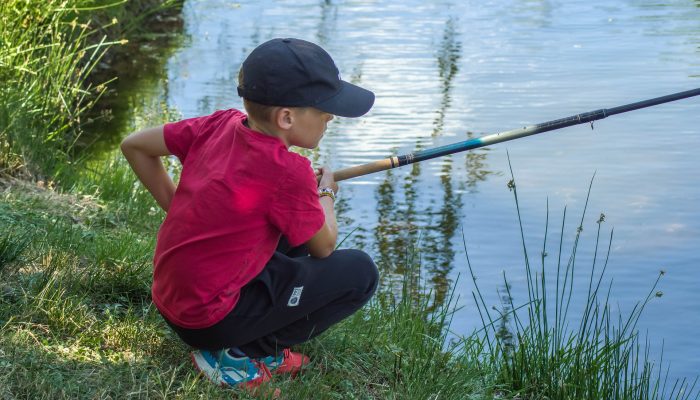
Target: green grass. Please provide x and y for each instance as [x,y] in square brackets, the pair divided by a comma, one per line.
[48,53]
[13,242]
[45,58]
[78,322]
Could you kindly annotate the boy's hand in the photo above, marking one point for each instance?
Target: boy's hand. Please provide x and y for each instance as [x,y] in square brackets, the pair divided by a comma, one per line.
[323,242]
[327,179]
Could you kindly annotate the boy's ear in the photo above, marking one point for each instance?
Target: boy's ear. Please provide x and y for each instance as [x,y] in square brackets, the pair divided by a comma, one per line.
[284,118]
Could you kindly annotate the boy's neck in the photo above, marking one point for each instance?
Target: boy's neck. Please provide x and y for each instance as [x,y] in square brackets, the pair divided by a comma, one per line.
[260,128]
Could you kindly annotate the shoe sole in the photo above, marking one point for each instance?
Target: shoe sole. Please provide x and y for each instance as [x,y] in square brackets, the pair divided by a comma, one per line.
[202,365]
[204,368]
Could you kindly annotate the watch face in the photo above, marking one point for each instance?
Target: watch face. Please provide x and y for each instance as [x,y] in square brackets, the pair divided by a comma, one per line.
[327,192]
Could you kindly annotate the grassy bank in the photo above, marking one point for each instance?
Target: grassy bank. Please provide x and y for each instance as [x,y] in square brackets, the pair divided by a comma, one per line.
[76,321]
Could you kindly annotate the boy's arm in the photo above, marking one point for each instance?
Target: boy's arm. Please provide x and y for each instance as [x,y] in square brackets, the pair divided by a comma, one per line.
[143,150]
[322,244]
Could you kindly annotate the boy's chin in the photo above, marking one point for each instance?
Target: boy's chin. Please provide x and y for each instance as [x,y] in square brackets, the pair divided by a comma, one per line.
[312,146]
[307,146]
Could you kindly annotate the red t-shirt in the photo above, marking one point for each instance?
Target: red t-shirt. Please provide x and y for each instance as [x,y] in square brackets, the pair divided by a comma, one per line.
[238,192]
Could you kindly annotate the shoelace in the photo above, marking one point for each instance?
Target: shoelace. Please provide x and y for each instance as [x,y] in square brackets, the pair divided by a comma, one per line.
[263,368]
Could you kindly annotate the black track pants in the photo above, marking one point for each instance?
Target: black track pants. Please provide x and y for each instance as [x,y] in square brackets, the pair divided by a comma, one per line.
[293,299]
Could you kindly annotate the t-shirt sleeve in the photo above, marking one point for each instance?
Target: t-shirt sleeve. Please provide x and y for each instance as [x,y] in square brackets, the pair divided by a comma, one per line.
[180,135]
[296,210]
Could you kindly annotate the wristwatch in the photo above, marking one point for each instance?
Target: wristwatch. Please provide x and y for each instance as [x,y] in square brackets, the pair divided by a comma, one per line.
[326,191]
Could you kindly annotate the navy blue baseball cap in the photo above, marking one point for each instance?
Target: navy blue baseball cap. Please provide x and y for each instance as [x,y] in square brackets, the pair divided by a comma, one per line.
[296,73]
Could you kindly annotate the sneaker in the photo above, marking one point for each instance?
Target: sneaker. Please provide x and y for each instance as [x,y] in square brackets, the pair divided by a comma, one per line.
[287,363]
[225,370]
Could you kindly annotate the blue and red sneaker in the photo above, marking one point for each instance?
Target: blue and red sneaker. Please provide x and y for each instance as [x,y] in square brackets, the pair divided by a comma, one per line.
[225,370]
[288,362]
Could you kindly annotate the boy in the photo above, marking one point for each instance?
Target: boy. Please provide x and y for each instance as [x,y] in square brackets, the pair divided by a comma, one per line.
[245,264]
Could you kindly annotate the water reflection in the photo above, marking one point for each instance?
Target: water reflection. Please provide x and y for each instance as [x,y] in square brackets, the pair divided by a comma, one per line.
[439,251]
[402,222]
[536,13]
[476,168]
[327,22]
[447,58]
[410,216]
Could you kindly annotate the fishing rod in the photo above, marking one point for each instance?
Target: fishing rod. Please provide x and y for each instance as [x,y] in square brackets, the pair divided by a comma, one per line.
[422,155]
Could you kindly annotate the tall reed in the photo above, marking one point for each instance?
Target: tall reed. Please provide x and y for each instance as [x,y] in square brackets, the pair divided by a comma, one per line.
[48,53]
[45,58]
[549,353]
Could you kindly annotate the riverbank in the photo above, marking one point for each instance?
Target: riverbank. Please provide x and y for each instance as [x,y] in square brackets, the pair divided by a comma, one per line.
[76,321]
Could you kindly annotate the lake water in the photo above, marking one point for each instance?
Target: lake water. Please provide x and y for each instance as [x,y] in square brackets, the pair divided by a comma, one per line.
[445,71]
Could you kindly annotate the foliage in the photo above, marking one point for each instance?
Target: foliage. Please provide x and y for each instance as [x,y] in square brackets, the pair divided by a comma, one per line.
[48,53]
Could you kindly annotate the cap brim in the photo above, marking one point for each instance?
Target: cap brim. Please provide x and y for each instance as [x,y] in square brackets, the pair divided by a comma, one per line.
[351,101]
